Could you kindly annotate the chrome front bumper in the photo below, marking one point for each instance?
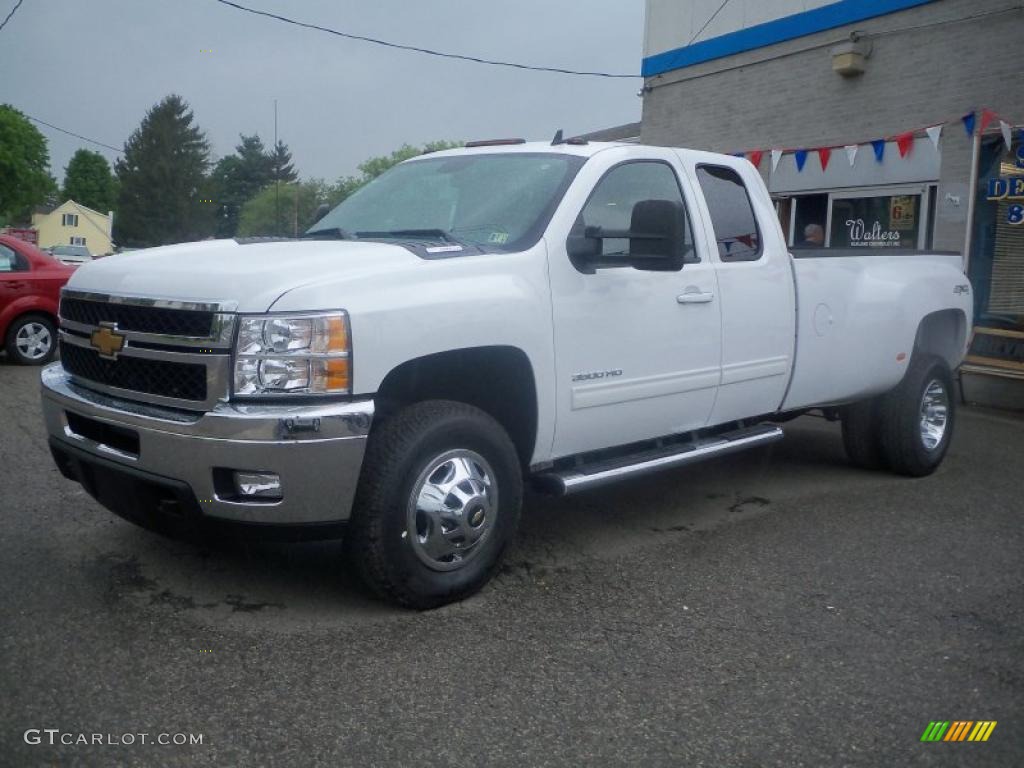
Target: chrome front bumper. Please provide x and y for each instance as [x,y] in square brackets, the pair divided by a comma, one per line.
[317,450]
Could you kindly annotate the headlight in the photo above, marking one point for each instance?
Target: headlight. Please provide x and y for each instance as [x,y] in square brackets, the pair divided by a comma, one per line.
[282,354]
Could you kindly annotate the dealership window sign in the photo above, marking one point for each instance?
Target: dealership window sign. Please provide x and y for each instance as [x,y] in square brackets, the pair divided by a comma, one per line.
[1010,188]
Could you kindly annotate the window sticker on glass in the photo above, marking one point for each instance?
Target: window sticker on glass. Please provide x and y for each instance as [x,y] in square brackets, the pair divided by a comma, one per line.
[498,238]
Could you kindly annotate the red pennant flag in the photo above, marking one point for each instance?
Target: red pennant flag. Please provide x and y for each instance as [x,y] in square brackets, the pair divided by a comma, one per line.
[747,240]
[823,155]
[755,157]
[905,141]
[987,116]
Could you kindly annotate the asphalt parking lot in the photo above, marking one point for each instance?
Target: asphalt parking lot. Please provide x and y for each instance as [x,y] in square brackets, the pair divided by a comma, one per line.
[773,608]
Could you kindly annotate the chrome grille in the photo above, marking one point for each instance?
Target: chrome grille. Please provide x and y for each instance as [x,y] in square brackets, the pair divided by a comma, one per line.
[168,322]
[174,353]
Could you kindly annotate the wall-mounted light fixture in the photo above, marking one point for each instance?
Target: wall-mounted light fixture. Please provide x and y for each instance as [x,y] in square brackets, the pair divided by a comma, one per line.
[849,56]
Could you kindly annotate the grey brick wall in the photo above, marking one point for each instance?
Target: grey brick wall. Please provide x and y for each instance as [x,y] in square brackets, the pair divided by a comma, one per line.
[966,56]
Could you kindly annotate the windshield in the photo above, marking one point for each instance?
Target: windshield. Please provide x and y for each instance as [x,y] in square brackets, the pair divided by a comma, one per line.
[492,201]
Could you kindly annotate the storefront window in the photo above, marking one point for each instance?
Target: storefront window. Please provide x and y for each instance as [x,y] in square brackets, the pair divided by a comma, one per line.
[881,221]
[997,253]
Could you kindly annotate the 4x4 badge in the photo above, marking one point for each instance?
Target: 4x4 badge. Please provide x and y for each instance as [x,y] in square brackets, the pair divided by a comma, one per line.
[107,341]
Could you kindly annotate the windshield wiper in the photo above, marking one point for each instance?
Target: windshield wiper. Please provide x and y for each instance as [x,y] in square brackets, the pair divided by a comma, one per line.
[328,233]
[441,234]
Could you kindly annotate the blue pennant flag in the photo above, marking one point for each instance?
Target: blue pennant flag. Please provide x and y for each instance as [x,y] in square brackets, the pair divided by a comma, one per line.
[801,158]
[969,124]
[879,146]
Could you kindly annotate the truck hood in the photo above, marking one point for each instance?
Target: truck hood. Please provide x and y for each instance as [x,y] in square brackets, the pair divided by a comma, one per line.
[253,275]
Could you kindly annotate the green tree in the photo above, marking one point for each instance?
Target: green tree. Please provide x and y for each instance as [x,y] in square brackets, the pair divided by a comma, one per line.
[284,211]
[88,180]
[281,162]
[239,177]
[25,179]
[164,197]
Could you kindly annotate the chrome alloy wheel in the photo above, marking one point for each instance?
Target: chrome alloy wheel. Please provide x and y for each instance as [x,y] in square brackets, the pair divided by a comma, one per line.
[452,509]
[33,341]
[934,414]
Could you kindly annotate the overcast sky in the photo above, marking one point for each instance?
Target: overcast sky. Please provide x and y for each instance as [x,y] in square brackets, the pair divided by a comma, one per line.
[95,68]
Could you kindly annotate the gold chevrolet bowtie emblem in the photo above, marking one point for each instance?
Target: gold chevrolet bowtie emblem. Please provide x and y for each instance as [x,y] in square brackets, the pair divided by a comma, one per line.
[106,341]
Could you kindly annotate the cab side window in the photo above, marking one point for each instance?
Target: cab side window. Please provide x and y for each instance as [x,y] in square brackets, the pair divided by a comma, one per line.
[611,204]
[10,261]
[732,214]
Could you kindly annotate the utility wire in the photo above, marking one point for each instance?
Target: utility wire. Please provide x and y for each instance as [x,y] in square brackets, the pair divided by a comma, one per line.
[17,5]
[428,51]
[71,133]
[708,22]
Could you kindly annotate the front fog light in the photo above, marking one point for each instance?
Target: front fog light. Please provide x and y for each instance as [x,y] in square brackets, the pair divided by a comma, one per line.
[258,485]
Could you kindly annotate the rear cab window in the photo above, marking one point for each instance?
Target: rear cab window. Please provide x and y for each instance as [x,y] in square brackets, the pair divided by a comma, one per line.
[732,214]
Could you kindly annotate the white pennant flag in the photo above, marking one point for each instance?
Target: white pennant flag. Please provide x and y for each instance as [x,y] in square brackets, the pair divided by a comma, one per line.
[1007,135]
[851,152]
[934,133]
[776,156]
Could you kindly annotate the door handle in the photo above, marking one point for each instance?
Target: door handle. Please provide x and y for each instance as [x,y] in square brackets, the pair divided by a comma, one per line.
[693,295]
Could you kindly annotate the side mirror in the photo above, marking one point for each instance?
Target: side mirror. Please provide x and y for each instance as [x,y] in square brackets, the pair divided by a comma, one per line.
[656,235]
[321,210]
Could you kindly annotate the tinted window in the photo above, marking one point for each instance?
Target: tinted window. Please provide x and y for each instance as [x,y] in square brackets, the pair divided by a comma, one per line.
[610,207]
[732,215]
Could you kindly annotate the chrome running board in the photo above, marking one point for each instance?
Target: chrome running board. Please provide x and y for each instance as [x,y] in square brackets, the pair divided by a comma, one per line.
[587,476]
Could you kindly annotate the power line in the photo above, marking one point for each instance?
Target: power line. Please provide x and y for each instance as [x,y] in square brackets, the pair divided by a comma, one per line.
[71,133]
[428,51]
[17,5]
[708,22]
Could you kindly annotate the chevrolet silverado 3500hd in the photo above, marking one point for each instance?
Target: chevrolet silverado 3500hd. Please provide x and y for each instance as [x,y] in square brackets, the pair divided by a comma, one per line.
[566,314]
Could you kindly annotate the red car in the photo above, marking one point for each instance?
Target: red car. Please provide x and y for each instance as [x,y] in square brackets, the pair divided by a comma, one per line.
[30,283]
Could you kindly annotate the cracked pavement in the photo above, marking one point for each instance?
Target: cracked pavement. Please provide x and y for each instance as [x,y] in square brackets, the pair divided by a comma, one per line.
[772,608]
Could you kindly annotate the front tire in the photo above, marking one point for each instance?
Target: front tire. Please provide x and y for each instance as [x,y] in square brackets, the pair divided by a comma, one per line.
[31,340]
[438,502]
[918,416]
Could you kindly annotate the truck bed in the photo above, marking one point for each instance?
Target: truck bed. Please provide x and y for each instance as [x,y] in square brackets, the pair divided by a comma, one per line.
[858,313]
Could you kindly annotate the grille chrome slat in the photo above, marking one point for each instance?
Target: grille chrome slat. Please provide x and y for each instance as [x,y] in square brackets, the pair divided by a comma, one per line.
[182,378]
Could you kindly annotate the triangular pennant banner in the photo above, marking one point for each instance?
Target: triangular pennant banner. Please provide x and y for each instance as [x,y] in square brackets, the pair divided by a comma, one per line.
[879,146]
[1004,127]
[755,157]
[987,116]
[934,133]
[776,156]
[747,240]
[851,152]
[968,121]
[905,141]
[801,157]
[823,155]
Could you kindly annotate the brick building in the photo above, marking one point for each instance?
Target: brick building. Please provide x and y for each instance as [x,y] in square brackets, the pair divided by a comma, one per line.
[863,80]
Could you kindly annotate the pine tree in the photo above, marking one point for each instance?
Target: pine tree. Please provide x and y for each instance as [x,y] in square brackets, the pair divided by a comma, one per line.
[238,178]
[162,177]
[88,180]
[281,160]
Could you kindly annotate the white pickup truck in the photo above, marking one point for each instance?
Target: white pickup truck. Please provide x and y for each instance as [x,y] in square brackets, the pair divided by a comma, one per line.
[565,314]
